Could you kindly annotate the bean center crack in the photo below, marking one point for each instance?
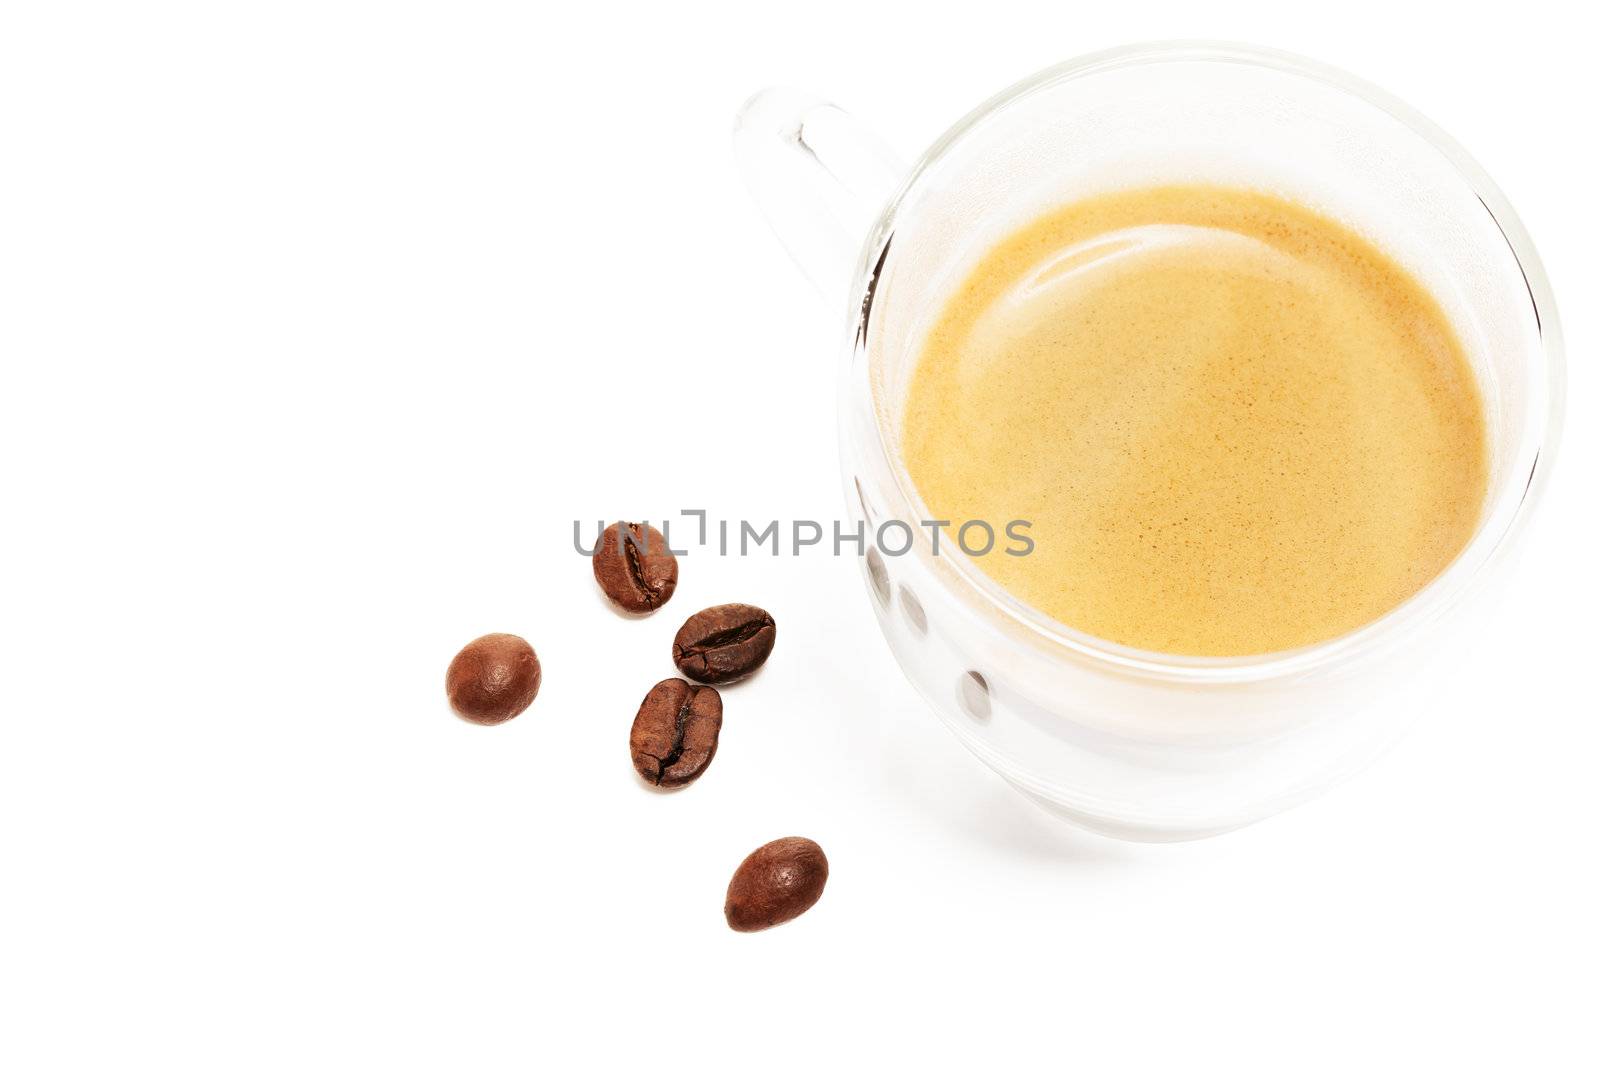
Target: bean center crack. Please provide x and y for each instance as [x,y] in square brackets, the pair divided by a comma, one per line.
[636,566]
[679,728]
[734,636]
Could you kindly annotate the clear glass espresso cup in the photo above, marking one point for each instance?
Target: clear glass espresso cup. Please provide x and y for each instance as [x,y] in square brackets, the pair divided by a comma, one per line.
[1125,741]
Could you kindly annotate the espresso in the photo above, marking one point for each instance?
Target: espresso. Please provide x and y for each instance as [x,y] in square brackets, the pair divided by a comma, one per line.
[1236,425]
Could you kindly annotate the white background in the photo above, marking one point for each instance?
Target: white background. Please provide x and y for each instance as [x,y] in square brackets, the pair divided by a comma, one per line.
[321,322]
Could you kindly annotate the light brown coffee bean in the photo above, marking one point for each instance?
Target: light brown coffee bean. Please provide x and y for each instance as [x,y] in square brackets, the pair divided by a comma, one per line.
[493,679]
[634,568]
[724,643]
[675,733]
[777,882]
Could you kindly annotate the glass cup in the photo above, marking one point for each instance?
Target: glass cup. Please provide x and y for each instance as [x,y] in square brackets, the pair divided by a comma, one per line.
[1125,741]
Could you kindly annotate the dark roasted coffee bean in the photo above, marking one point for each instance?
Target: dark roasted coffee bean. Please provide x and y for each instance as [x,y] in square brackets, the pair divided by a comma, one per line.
[775,883]
[675,733]
[724,643]
[633,566]
[493,679]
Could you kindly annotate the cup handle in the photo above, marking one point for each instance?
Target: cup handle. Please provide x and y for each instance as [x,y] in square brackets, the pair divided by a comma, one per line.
[818,176]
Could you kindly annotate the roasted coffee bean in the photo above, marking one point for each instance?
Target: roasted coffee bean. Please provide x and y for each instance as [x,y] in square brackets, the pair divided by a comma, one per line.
[675,733]
[493,679]
[775,883]
[724,643]
[634,568]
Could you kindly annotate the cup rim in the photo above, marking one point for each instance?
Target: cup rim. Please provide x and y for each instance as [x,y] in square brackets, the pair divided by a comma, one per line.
[1504,517]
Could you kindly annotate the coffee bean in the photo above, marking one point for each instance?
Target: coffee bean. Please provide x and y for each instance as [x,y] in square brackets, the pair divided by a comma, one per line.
[775,883]
[634,568]
[724,643]
[493,679]
[675,733]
